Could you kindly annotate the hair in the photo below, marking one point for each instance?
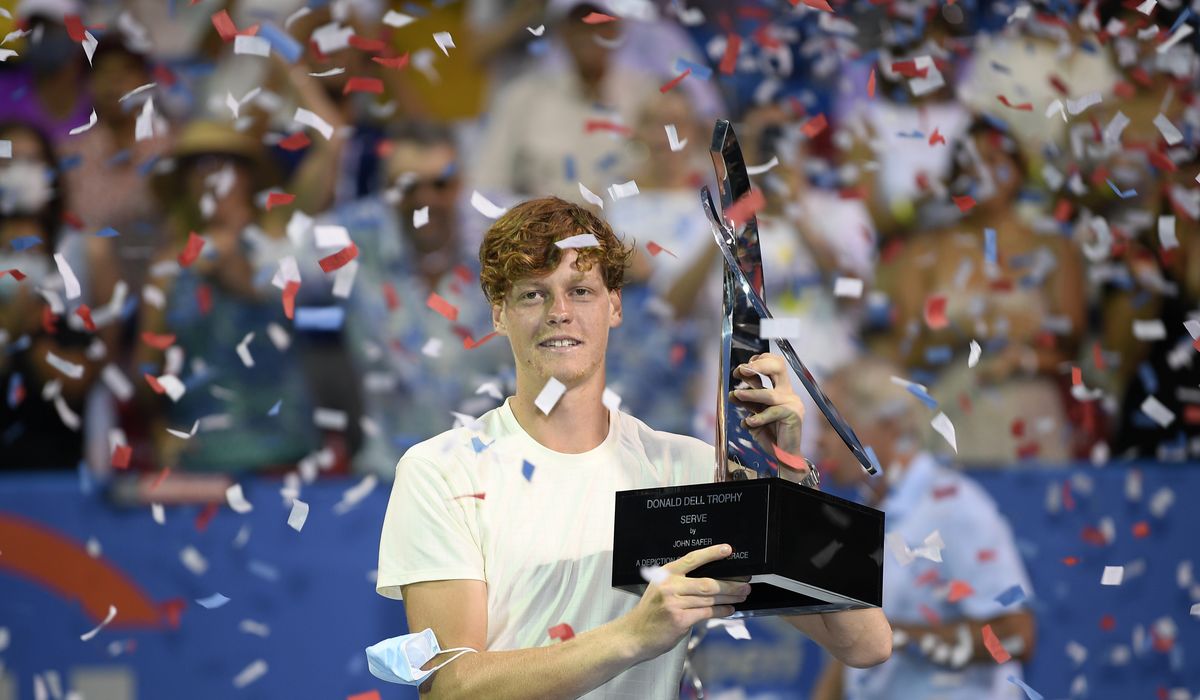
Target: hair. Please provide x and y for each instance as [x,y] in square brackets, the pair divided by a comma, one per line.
[51,218]
[422,132]
[521,244]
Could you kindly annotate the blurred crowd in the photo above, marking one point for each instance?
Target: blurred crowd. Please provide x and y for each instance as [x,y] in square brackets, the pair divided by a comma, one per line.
[242,236]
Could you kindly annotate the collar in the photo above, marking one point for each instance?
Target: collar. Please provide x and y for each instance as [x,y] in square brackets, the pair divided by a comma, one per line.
[912,486]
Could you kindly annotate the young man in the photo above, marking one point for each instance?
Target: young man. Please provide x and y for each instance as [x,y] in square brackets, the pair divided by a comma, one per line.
[941,647]
[498,536]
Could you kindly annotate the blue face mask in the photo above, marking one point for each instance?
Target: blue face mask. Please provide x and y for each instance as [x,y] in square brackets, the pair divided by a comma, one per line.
[399,659]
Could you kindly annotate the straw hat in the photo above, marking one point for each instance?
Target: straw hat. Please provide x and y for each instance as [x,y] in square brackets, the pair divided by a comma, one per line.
[208,137]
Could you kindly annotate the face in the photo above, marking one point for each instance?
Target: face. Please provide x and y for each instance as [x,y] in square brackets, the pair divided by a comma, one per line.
[27,179]
[567,305]
[586,42]
[431,180]
[113,76]
[836,460]
[671,108]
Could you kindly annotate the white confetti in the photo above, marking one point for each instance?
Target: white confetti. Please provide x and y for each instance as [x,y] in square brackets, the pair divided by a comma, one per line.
[213,601]
[307,118]
[492,389]
[343,280]
[355,494]
[70,281]
[65,414]
[444,42]
[251,673]
[1193,328]
[484,206]
[548,397]
[330,419]
[397,19]
[583,240]
[1147,7]
[246,45]
[432,347]
[1158,412]
[590,196]
[298,516]
[735,628]
[1166,232]
[5,148]
[157,512]
[243,350]
[1056,107]
[91,121]
[70,369]
[420,217]
[673,138]
[760,169]
[1185,30]
[1169,133]
[1152,329]
[779,328]
[185,436]
[942,424]
[1161,501]
[850,287]
[1077,106]
[144,127]
[611,399]
[89,45]
[622,190]
[258,629]
[330,236]
[112,612]
[237,500]
[193,560]
[279,337]
[172,386]
[1195,611]
[654,574]
[541,29]
[976,351]
[1113,575]
[232,103]
[329,73]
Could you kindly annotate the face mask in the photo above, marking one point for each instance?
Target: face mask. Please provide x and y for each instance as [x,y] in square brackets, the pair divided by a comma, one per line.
[399,659]
[24,187]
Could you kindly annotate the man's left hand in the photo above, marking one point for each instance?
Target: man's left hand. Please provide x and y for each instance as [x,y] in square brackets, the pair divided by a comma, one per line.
[776,414]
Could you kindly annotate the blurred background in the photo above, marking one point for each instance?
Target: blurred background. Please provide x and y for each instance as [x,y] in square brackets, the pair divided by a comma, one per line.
[239,278]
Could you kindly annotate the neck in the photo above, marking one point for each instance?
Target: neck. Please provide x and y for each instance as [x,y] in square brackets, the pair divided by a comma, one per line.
[578,422]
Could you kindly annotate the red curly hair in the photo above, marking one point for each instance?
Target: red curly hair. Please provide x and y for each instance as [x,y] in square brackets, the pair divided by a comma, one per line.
[521,244]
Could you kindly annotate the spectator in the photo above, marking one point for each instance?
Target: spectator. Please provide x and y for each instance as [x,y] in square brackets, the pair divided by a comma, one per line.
[252,418]
[40,318]
[963,590]
[417,367]
[559,127]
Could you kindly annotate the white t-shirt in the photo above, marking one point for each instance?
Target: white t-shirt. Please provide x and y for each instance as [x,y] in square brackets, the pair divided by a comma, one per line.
[462,508]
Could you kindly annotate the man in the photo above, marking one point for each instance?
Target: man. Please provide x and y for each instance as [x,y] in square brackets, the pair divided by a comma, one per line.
[418,365]
[499,536]
[944,601]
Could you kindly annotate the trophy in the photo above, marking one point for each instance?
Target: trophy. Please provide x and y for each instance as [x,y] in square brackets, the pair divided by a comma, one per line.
[803,551]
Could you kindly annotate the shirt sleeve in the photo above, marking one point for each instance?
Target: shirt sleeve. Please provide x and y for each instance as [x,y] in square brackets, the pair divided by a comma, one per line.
[986,558]
[428,533]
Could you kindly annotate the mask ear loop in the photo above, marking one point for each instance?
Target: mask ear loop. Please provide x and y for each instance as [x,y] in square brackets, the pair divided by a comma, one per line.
[462,650]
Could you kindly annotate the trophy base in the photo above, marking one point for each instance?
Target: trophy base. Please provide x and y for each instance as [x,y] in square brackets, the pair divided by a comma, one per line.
[803,551]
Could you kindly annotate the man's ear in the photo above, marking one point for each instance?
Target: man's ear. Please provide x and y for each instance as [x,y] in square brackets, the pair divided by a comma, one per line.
[616,315]
[498,319]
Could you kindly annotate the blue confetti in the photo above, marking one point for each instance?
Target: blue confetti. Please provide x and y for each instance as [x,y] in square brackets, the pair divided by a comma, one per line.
[1011,596]
[213,602]
[69,162]
[319,318]
[1123,195]
[569,168]
[1187,12]
[281,42]
[121,157]
[15,390]
[1148,377]
[478,445]
[938,354]
[989,246]
[411,8]
[538,47]
[107,232]
[917,391]
[1029,692]
[607,162]
[275,409]
[527,470]
[144,168]
[911,134]
[698,71]
[1001,68]
[25,242]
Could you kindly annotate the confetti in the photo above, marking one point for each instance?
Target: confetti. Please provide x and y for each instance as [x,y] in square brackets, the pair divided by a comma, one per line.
[622,190]
[1157,412]
[611,399]
[590,197]
[1181,33]
[339,259]
[1123,194]
[279,199]
[667,87]
[251,673]
[371,86]
[87,636]
[1169,132]
[121,456]
[598,18]
[935,312]
[942,424]
[1029,692]
[994,647]
[746,207]
[485,207]
[258,629]
[1011,596]
[849,287]
[444,41]
[289,298]
[1112,576]
[307,118]
[443,307]
[80,129]
[654,249]
[69,369]
[733,45]
[582,240]
[1152,329]
[822,5]
[251,46]
[1023,107]
[673,139]
[538,31]
[213,601]
[397,19]
[191,250]
[5,148]
[193,560]
[976,351]
[562,632]
[298,516]
[964,203]
[420,217]
[779,328]
[1166,233]
[814,126]
[548,397]
[237,500]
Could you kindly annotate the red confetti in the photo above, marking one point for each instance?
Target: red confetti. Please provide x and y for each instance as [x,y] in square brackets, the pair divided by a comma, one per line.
[48,324]
[367,45]
[464,273]
[959,590]
[85,313]
[1141,529]
[1070,561]
[1076,376]
[373,86]
[162,476]
[289,299]
[73,220]
[814,126]
[561,632]
[74,27]
[994,647]
[470,343]
[295,142]
[817,5]
[791,461]
[935,312]
[674,81]
[964,203]
[173,611]
[606,125]
[1068,499]
[339,259]
[678,352]
[17,274]
[928,578]
[191,250]
[158,341]
[153,382]
[1024,106]
[929,614]
[598,18]
[1062,211]
[871,84]
[396,63]
[1108,623]
[654,249]
[729,61]
[479,496]
[909,69]
[205,516]
[224,25]
[742,210]
[986,555]
[369,695]
[279,199]
[204,298]
[941,492]
[936,138]
[443,307]
[121,455]
[390,296]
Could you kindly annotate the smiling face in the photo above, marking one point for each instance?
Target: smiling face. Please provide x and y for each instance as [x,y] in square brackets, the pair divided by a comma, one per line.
[558,324]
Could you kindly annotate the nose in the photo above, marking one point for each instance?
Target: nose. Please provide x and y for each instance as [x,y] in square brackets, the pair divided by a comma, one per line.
[559,312]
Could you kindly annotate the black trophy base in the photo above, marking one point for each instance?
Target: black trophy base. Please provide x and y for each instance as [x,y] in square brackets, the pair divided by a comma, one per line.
[802,551]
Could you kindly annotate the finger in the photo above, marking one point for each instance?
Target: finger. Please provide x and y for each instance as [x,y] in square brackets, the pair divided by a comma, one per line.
[699,557]
[710,587]
[771,365]
[774,414]
[767,397]
[720,611]
[692,602]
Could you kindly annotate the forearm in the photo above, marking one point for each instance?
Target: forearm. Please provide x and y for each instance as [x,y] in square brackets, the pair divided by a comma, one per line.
[857,638]
[1013,631]
[314,180]
[565,670]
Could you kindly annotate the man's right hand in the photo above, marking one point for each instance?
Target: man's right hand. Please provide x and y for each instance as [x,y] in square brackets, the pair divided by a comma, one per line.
[670,606]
